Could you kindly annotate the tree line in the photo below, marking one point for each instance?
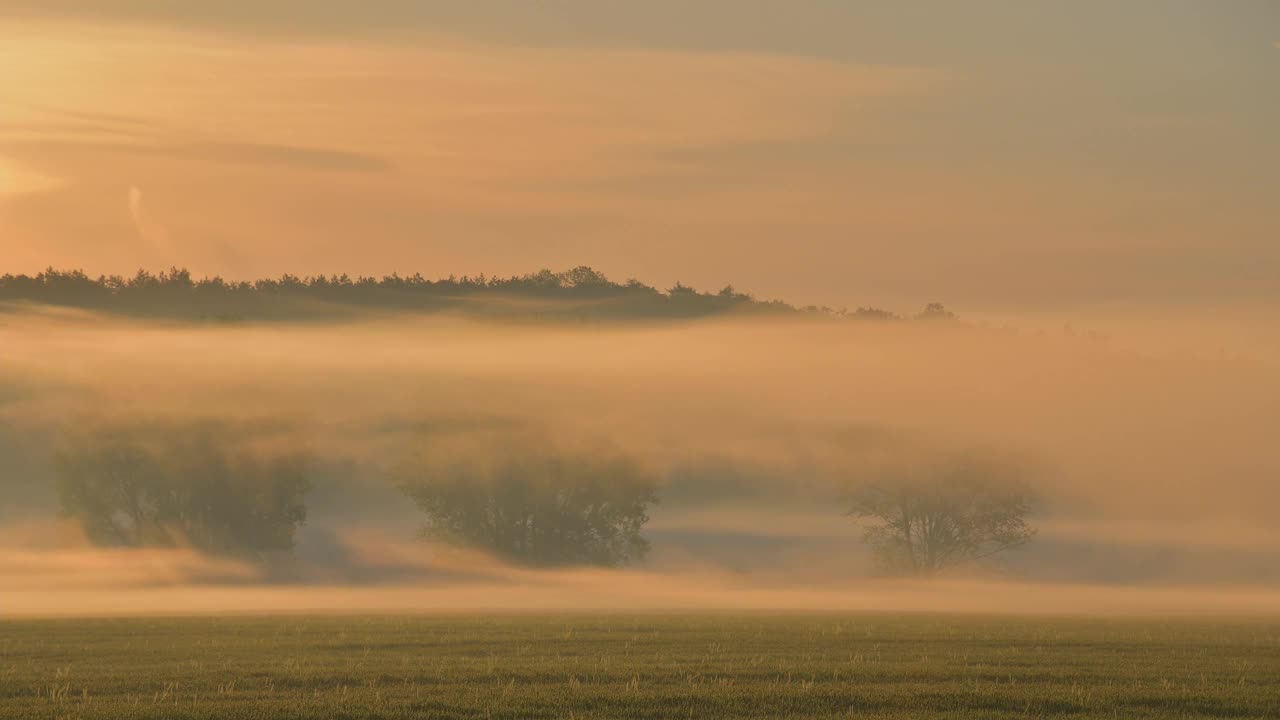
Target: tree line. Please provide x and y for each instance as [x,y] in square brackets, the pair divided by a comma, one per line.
[581,293]
[201,487]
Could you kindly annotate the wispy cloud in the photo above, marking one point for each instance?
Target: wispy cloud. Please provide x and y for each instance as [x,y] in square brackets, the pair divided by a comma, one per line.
[286,156]
[279,156]
[155,234]
[89,116]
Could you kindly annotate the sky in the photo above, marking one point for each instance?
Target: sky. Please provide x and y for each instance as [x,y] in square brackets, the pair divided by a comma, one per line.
[989,154]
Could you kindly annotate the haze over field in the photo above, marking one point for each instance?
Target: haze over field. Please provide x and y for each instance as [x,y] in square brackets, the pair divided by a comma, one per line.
[1090,187]
[1152,455]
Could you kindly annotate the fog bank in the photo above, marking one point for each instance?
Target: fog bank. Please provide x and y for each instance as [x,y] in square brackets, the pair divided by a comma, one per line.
[1149,443]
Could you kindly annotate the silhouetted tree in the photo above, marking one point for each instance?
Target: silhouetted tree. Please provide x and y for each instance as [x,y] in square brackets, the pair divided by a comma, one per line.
[952,512]
[187,486]
[874,314]
[936,311]
[537,509]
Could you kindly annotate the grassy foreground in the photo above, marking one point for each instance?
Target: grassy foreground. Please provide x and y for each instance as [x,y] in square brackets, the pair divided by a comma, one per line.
[638,666]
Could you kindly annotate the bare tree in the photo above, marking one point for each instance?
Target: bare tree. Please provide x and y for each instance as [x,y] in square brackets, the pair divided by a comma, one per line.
[953,511]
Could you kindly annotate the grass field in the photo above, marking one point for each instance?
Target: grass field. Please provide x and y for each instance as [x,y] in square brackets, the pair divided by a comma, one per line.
[638,666]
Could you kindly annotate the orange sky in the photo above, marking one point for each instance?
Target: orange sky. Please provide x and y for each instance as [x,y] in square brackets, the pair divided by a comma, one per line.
[838,152]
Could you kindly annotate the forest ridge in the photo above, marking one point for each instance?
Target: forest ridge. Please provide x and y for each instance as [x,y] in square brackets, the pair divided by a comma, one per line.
[580,293]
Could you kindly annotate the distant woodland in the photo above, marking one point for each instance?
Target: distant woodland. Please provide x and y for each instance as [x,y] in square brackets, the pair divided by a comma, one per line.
[578,294]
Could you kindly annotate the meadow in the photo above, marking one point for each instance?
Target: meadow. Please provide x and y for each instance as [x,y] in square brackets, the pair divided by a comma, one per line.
[639,665]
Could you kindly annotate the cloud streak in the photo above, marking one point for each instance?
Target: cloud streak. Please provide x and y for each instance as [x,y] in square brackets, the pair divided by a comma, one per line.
[252,154]
[151,232]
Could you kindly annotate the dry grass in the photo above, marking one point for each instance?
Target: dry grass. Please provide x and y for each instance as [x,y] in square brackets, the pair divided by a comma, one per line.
[639,666]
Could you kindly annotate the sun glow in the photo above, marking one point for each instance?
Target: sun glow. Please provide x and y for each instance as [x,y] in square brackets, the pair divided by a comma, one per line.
[16,180]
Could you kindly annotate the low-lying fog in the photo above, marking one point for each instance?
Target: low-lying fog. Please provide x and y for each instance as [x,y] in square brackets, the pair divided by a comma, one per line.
[1150,444]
